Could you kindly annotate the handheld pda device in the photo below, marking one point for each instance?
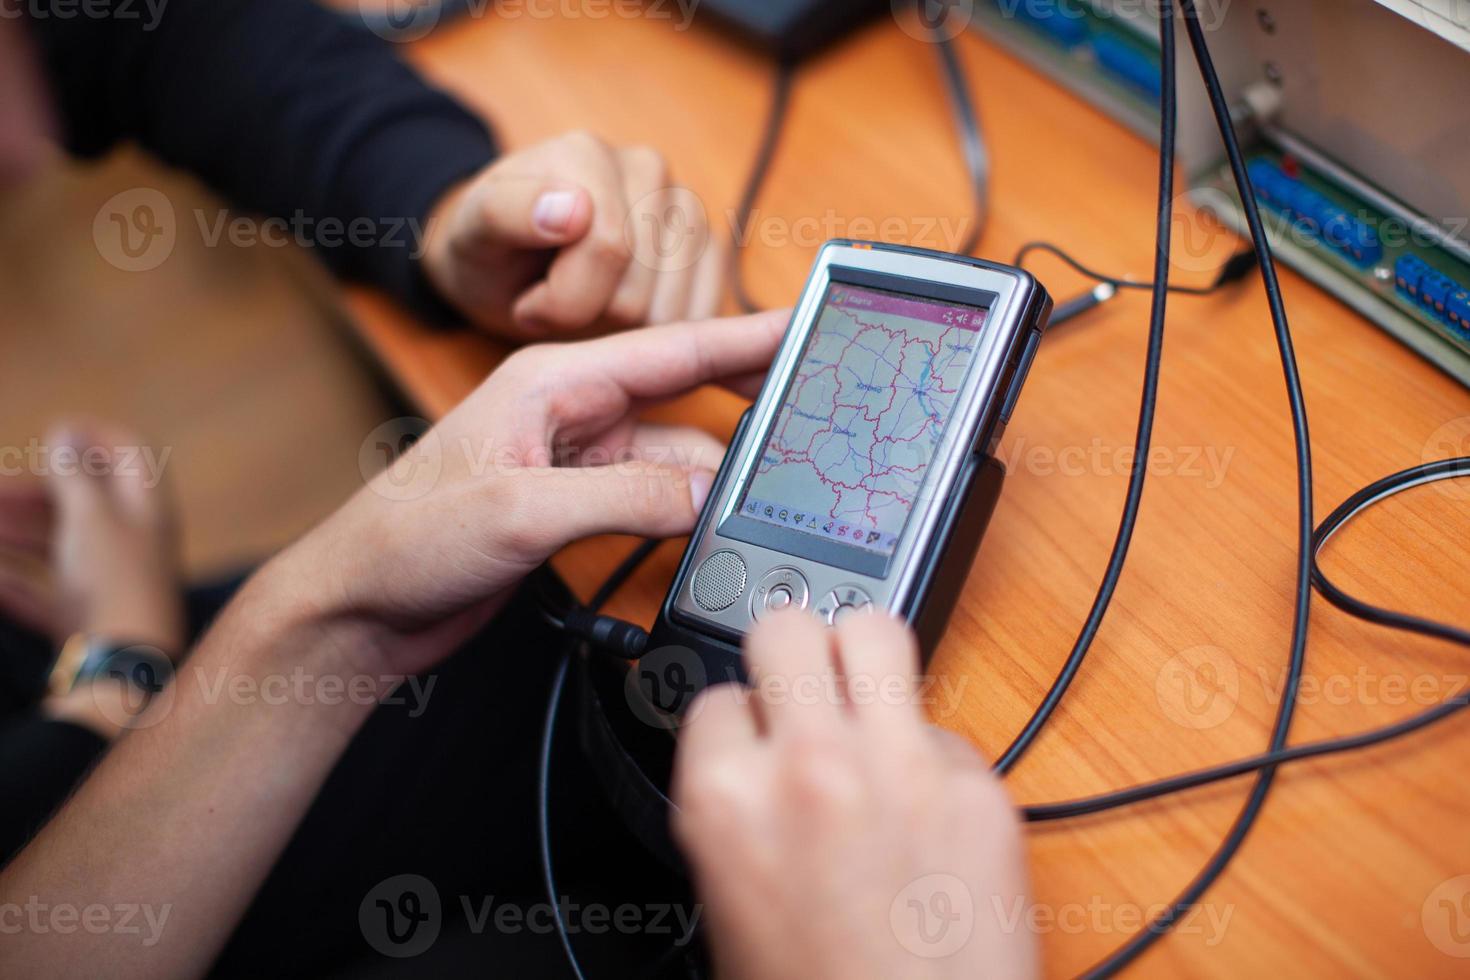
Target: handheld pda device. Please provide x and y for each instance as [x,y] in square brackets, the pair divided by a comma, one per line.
[863,476]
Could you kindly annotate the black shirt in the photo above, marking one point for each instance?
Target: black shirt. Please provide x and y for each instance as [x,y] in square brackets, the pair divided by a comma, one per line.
[282,106]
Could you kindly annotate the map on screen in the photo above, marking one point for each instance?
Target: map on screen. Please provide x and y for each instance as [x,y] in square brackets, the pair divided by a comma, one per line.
[863,416]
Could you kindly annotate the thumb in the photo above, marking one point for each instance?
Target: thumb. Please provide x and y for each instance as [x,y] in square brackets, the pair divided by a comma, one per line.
[76,464]
[526,212]
[636,497]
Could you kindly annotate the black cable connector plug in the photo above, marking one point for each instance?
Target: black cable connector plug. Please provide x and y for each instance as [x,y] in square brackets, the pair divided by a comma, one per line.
[1090,300]
[1239,266]
[615,636]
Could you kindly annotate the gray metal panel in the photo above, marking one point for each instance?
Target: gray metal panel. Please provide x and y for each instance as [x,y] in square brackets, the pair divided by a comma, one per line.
[1377,94]
[1371,93]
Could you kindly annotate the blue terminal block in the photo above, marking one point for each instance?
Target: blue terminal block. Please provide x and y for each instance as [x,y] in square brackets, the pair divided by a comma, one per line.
[1434,292]
[1408,274]
[1128,64]
[1310,209]
[1270,183]
[1459,312]
[1064,21]
[1316,216]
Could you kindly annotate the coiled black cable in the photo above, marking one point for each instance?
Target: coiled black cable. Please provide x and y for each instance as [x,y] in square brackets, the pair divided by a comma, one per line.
[1362,500]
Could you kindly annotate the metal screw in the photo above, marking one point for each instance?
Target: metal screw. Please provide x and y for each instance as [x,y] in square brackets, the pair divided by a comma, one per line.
[1273,73]
[1267,22]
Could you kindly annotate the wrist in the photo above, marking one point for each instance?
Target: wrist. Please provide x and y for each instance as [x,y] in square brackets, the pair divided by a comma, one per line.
[96,706]
[302,617]
[436,264]
[285,641]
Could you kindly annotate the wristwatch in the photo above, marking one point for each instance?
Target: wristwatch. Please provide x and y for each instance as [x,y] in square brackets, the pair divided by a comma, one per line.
[85,657]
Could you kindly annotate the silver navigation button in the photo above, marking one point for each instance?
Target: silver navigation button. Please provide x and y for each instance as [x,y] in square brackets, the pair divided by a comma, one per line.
[780,588]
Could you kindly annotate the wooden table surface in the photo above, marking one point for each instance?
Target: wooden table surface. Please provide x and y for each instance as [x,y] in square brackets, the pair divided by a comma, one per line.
[1351,868]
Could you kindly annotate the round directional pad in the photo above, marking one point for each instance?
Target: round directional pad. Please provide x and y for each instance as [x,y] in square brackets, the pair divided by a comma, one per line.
[780,588]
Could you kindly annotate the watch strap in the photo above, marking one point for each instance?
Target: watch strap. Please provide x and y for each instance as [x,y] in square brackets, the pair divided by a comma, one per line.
[86,658]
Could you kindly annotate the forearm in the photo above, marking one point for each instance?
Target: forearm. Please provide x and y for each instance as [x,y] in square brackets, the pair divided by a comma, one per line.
[184,817]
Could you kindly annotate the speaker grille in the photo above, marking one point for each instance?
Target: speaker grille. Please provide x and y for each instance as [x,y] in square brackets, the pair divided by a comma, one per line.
[719,581]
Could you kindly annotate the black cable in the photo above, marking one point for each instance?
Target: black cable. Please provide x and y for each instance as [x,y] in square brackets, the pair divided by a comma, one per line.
[1356,504]
[605,634]
[1367,497]
[1249,813]
[972,137]
[614,581]
[770,140]
[972,144]
[543,817]
[1236,268]
[1043,812]
[1168,111]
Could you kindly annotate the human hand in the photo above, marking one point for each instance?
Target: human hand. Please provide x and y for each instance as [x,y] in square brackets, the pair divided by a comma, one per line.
[832,832]
[27,589]
[92,547]
[550,449]
[115,547]
[572,235]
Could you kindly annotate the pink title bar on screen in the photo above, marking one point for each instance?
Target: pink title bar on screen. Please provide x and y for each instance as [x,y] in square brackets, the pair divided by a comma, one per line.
[856,299]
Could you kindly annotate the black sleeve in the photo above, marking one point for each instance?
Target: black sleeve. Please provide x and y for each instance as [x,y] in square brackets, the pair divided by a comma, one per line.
[284,107]
[41,762]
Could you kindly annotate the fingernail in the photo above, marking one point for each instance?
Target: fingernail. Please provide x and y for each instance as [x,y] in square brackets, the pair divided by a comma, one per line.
[533,325]
[554,211]
[68,436]
[700,483]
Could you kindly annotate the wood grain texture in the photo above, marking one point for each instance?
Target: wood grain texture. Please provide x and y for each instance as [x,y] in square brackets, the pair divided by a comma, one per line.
[1337,873]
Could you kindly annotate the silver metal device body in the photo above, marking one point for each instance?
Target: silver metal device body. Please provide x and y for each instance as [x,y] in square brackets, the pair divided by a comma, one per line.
[729,582]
